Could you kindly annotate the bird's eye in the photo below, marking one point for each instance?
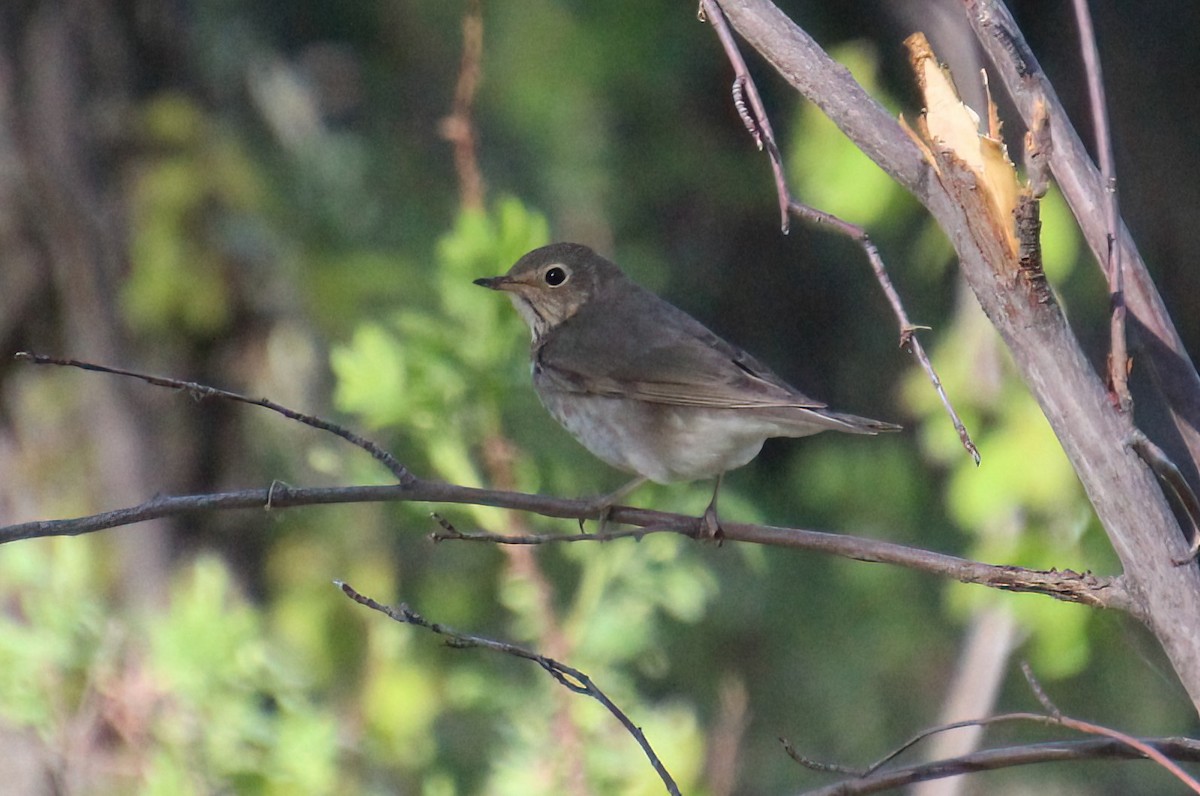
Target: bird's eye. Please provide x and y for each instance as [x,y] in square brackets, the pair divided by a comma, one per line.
[555,276]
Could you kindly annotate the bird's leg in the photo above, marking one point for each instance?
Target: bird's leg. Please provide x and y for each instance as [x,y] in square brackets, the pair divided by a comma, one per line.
[601,507]
[710,525]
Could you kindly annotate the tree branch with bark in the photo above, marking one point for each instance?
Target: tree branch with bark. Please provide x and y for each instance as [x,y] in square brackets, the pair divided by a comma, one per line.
[1118,465]
[1095,434]
[1084,588]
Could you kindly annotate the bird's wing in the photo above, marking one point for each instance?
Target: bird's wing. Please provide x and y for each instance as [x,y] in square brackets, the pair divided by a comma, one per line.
[652,351]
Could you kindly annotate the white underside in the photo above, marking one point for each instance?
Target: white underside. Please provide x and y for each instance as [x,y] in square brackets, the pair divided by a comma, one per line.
[660,442]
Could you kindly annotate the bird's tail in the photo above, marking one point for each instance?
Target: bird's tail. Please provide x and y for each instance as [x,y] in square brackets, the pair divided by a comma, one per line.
[854,424]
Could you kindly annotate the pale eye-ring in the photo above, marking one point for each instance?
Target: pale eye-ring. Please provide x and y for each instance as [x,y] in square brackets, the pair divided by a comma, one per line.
[555,276]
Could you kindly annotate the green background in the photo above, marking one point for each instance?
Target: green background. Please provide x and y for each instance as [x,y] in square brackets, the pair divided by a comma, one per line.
[285,220]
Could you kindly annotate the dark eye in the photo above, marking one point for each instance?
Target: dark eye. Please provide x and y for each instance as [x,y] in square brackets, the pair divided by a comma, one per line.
[555,276]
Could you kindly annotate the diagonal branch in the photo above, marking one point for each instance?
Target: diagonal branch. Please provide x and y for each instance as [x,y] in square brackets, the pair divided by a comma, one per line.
[1118,358]
[1085,189]
[567,676]
[1112,744]
[759,125]
[1128,501]
[1008,757]
[203,392]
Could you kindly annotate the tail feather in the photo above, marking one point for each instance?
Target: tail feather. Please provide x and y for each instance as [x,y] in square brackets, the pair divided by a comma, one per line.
[798,421]
[859,425]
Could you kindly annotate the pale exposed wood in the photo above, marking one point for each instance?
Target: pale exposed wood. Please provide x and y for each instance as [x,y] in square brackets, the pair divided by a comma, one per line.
[1123,491]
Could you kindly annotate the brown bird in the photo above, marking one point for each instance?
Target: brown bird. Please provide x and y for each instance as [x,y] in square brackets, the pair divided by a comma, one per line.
[643,385]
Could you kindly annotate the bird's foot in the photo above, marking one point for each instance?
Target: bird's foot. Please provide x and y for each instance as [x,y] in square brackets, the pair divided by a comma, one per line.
[601,508]
[601,512]
[710,525]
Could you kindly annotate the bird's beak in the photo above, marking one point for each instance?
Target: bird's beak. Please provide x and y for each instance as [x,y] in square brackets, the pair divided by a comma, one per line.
[494,282]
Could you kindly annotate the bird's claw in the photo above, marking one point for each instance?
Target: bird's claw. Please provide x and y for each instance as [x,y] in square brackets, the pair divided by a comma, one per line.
[710,525]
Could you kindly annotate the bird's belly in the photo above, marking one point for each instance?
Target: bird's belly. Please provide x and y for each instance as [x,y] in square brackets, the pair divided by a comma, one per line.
[660,442]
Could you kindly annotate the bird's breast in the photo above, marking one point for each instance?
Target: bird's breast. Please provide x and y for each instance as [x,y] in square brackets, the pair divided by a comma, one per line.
[658,441]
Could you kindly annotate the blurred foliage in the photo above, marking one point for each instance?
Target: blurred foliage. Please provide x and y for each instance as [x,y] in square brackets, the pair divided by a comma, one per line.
[295,192]
[200,696]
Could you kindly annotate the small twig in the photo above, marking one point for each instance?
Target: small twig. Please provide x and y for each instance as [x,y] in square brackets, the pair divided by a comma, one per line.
[954,725]
[1118,364]
[1039,693]
[1112,743]
[755,117]
[1167,472]
[757,123]
[458,128]
[1008,757]
[908,330]
[450,533]
[1095,729]
[203,392]
[570,678]
[818,765]
[739,104]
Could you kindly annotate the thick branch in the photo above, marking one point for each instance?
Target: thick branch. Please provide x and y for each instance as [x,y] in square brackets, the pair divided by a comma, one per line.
[1085,588]
[1086,192]
[1123,491]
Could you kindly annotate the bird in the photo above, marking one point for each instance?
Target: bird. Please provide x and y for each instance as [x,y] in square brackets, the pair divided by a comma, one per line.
[643,385]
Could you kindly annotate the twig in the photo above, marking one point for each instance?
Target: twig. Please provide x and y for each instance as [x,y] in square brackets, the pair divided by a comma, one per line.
[1118,358]
[756,121]
[203,392]
[954,725]
[755,117]
[1168,473]
[1095,729]
[1084,588]
[570,678]
[458,128]
[1007,757]
[908,330]
[818,765]
[452,534]
[1112,743]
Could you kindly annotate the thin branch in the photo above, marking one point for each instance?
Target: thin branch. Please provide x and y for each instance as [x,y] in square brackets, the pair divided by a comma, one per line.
[757,123]
[755,117]
[1002,718]
[1095,729]
[1169,474]
[1118,360]
[908,330]
[458,128]
[452,534]
[818,765]
[1111,744]
[1084,588]
[1086,191]
[570,678]
[1008,757]
[202,392]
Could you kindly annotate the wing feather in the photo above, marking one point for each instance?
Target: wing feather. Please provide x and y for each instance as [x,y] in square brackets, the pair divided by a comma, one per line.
[652,351]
